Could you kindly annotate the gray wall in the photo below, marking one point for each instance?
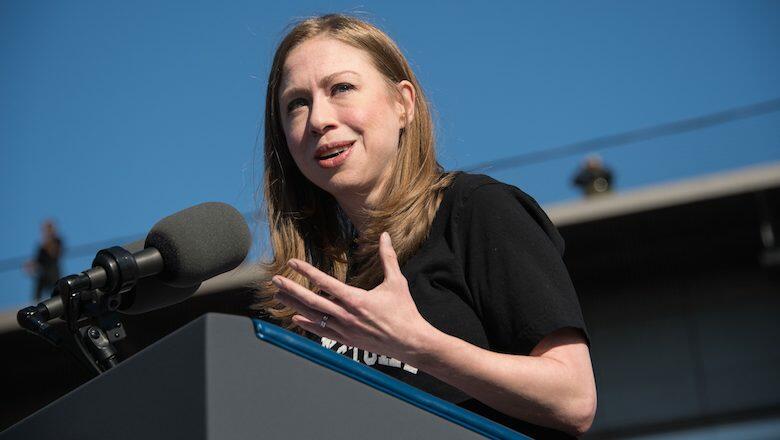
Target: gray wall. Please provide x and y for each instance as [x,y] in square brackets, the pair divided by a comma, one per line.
[666,351]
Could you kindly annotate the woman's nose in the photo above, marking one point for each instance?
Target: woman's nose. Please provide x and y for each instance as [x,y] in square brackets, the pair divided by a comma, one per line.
[322,117]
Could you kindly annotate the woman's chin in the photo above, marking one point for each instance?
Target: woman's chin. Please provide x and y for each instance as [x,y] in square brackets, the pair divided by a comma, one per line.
[346,183]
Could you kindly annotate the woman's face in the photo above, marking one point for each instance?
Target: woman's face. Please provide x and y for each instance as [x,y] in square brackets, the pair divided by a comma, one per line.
[341,119]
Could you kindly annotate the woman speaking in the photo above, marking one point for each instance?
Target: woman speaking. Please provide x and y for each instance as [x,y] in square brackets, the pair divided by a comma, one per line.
[448,281]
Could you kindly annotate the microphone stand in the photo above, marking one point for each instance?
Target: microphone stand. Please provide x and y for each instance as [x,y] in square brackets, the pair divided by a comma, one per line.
[92,323]
[87,302]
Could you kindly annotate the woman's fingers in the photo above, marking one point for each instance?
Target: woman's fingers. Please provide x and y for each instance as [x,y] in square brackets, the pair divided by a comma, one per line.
[314,326]
[309,313]
[306,297]
[322,280]
[388,256]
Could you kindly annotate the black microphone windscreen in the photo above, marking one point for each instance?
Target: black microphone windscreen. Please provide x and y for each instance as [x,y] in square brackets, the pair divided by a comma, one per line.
[199,243]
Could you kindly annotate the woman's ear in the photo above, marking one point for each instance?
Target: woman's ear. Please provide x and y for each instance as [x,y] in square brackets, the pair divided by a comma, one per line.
[408,96]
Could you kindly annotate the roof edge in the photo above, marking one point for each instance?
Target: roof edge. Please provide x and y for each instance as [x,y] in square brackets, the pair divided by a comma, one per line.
[707,187]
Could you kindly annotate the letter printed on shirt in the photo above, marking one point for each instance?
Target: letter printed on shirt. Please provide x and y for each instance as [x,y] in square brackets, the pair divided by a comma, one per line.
[369,358]
[327,343]
[410,369]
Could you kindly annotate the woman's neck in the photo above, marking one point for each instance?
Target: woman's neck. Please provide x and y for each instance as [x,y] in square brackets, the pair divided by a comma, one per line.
[355,210]
[356,205]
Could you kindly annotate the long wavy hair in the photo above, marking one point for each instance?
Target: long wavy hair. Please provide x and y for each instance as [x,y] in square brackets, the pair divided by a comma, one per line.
[306,222]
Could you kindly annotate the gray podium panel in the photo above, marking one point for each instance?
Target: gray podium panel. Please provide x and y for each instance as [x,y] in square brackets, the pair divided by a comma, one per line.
[213,379]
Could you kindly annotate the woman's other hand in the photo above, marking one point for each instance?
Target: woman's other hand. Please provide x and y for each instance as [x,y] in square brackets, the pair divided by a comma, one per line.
[383,320]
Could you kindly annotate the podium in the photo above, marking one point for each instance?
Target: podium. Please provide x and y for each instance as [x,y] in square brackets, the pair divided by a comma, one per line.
[230,377]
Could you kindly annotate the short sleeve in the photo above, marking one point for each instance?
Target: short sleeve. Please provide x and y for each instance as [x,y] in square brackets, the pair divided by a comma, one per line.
[511,255]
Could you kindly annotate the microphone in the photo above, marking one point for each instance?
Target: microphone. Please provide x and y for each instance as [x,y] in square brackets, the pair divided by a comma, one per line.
[195,244]
[180,251]
[199,242]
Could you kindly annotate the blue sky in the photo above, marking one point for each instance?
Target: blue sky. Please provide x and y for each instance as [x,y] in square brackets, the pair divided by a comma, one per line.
[115,114]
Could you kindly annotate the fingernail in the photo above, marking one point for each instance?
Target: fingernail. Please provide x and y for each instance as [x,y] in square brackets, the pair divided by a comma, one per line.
[293,264]
[387,237]
[277,281]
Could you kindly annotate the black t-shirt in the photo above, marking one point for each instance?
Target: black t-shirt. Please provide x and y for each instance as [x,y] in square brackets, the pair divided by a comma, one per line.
[490,273]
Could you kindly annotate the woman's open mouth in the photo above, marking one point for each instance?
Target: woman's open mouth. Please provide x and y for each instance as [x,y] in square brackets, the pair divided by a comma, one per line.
[336,156]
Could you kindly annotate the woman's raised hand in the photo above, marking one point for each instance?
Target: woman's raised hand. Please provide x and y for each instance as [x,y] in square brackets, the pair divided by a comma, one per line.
[383,320]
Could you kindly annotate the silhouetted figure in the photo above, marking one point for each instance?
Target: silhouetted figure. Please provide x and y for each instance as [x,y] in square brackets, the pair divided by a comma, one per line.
[593,178]
[46,265]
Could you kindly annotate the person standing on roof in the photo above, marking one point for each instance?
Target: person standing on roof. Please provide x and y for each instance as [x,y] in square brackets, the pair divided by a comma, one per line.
[593,178]
[45,268]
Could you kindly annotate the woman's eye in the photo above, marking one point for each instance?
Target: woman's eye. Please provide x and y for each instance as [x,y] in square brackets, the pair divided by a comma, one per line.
[342,87]
[295,103]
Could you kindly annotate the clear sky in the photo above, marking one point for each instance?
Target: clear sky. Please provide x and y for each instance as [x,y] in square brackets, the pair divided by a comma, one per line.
[114,114]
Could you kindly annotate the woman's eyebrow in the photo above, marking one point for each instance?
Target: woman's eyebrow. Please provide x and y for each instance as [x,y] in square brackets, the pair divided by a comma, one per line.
[291,92]
[327,79]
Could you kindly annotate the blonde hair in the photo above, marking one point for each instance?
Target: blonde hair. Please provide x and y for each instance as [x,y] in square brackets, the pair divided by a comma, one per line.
[304,221]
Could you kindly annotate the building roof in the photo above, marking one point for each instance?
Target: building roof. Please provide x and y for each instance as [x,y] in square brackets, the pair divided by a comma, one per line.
[707,187]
